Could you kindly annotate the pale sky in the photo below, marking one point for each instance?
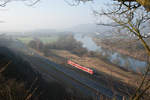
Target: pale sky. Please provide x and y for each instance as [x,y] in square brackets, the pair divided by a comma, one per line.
[47,14]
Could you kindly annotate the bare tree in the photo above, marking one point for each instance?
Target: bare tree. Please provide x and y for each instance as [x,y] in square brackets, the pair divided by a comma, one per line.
[132,15]
[3,3]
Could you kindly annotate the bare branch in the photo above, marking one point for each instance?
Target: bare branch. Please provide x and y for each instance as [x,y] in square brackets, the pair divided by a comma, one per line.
[3,3]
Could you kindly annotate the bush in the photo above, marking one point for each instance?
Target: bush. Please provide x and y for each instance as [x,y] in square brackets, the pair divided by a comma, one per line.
[67,42]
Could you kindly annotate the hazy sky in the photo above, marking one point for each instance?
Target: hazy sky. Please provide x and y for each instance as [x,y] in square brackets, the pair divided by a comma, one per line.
[47,14]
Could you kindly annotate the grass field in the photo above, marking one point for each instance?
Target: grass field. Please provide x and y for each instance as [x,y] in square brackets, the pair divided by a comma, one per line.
[45,40]
[25,40]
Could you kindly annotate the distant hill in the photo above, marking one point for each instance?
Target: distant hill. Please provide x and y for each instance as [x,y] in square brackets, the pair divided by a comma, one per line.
[42,33]
[89,28]
[105,31]
[99,30]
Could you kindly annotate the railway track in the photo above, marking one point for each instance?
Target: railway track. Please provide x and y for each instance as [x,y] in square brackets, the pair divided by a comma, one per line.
[69,75]
[88,83]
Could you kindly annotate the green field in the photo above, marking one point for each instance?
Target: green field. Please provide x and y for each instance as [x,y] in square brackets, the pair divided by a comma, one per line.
[25,40]
[45,40]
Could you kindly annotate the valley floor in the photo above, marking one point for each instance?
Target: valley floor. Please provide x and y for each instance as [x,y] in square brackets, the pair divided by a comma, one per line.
[132,48]
[106,73]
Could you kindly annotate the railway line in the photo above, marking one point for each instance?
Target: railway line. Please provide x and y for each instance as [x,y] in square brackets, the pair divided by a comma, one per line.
[68,76]
[85,82]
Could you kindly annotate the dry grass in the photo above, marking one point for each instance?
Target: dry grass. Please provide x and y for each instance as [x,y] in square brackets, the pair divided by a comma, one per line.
[99,65]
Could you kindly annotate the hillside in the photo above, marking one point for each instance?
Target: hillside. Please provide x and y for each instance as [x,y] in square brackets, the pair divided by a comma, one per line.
[19,81]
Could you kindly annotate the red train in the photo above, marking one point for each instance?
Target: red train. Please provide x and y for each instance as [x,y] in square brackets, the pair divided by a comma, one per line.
[88,70]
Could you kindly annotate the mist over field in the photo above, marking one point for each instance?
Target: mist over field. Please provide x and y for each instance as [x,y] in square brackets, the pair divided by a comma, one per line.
[74,50]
